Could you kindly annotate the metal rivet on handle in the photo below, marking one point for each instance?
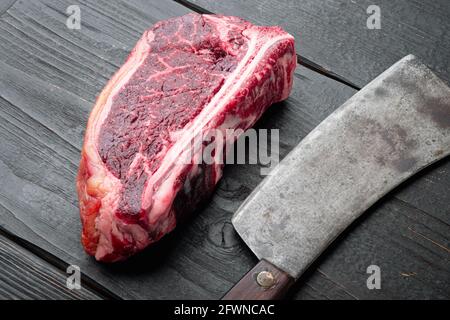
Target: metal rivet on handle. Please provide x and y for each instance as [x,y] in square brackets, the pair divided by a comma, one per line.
[265,279]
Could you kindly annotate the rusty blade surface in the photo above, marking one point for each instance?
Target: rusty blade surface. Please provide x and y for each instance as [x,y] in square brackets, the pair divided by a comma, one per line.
[391,129]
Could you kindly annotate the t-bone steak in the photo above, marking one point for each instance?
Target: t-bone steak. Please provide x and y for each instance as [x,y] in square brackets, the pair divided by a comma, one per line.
[186,77]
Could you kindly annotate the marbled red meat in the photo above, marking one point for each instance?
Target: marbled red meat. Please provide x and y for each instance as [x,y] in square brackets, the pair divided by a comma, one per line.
[185,77]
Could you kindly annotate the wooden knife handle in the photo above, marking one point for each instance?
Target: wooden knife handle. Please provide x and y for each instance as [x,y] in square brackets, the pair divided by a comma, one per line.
[263,282]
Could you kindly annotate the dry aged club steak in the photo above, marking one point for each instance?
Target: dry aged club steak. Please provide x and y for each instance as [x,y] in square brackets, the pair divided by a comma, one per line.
[186,77]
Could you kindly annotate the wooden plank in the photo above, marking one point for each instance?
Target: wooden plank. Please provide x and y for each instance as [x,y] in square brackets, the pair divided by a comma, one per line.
[43,127]
[334,33]
[48,81]
[25,276]
[411,268]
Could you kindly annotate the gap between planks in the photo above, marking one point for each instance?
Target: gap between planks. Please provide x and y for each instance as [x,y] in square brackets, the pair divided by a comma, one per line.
[89,283]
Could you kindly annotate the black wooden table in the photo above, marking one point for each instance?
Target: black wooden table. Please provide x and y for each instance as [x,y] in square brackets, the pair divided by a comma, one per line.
[50,76]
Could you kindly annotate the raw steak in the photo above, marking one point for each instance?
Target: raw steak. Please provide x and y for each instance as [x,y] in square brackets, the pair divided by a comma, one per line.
[186,77]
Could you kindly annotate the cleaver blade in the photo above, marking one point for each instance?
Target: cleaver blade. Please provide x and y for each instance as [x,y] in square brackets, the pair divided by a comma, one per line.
[391,129]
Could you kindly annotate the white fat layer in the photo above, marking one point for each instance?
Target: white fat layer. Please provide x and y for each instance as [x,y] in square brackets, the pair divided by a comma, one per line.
[105,224]
[285,62]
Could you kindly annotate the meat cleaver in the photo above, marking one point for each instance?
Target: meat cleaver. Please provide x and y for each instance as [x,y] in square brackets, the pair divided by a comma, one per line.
[391,129]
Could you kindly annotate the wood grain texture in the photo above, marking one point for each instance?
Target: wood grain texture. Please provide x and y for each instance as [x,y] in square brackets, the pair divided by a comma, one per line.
[25,276]
[5,5]
[248,288]
[49,78]
[334,33]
